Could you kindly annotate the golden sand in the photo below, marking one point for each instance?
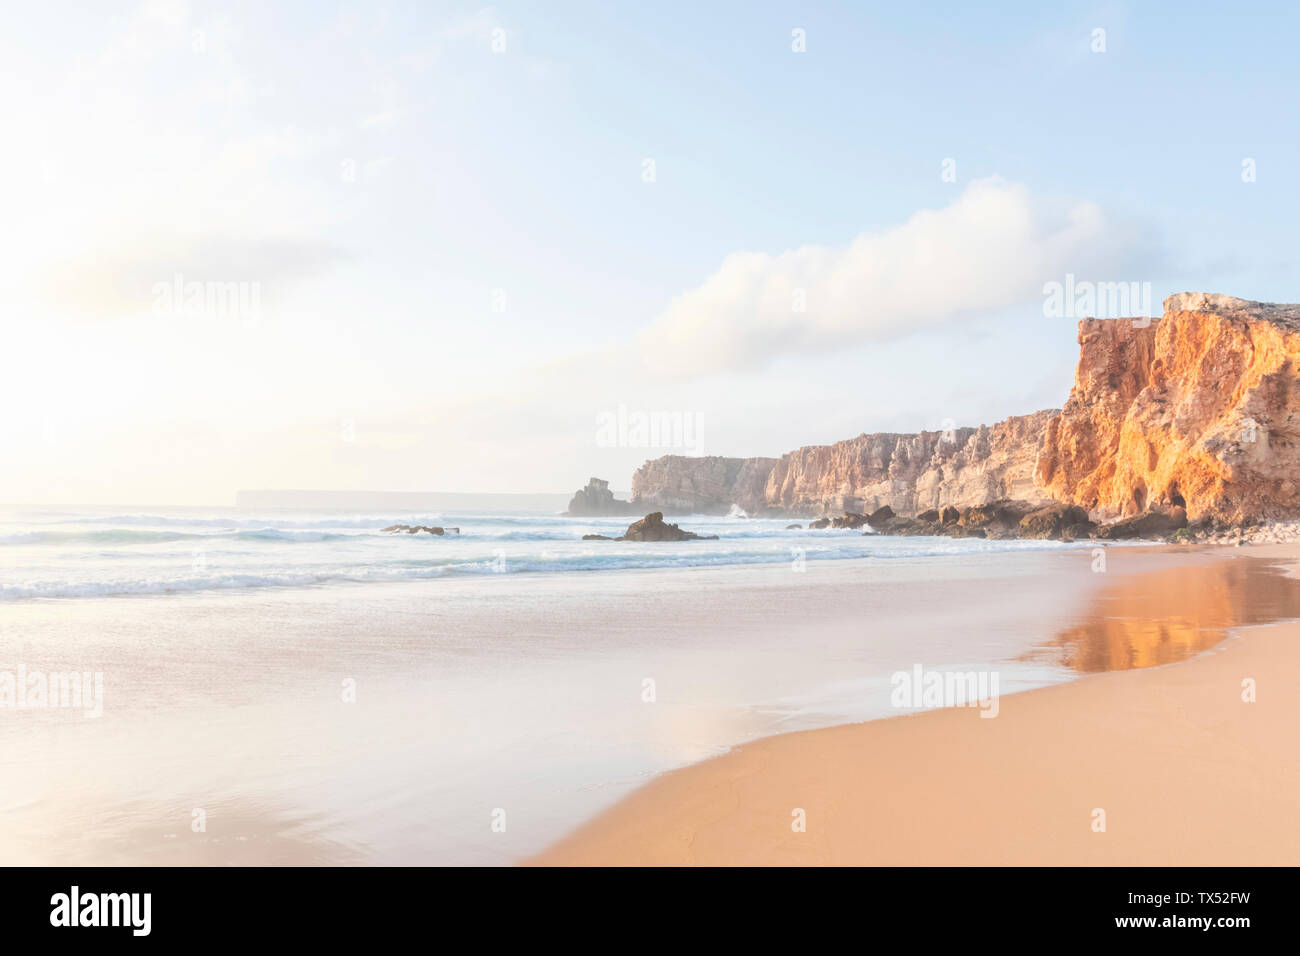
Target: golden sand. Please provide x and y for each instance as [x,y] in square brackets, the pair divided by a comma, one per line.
[1176,761]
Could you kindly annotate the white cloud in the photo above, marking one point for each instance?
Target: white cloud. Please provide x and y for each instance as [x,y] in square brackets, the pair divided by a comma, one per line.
[992,248]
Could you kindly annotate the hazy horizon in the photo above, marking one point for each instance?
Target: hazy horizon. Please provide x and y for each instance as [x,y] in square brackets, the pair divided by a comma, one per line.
[450,498]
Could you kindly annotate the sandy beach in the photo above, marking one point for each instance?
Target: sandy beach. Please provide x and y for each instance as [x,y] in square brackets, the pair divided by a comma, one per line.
[394,723]
[525,692]
[1186,771]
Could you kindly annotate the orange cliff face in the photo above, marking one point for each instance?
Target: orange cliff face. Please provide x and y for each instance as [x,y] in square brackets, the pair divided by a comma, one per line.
[1197,409]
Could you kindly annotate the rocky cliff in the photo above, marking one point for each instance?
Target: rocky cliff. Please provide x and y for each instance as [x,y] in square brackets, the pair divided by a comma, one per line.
[678,484]
[908,472]
[912,472]
[1198,409]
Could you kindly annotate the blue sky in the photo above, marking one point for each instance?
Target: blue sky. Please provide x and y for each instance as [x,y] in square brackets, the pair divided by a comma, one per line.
[385,177]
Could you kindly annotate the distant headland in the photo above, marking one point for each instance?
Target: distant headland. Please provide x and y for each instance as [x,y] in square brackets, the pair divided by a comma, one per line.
[1190,419]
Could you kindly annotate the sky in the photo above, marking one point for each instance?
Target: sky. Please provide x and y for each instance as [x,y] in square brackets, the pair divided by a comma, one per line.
[453,247]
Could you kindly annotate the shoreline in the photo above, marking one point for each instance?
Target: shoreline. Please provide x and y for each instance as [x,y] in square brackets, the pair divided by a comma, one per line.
[1184,769]
[163,560]
[521,691]
[525,692]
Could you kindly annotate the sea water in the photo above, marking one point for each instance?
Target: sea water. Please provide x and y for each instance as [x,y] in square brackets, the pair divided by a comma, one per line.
[301,687]
[110,552]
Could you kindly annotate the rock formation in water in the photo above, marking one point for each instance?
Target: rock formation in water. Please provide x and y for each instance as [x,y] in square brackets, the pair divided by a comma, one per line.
[1191,417]
[653,528]
[596,500]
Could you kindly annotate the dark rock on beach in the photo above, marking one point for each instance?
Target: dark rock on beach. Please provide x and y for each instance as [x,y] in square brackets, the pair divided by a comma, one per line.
[1152,524]
[996,517]
[1008,518]
[1003,519]
[849,520]
[880,515]
[904,527]
[1056,521]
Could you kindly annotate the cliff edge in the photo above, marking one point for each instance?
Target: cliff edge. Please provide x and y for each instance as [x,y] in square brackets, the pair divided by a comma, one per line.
[1197,409]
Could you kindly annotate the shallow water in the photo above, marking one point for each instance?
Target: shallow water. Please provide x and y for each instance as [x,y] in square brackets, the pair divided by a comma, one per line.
[99,553]
[1168,615]
[526,694]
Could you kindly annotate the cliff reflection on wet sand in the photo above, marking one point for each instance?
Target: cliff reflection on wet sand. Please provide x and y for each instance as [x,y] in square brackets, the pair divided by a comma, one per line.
[1159,617]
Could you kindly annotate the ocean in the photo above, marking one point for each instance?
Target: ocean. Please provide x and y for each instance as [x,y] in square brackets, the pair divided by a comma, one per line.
[311,690]
[158,551]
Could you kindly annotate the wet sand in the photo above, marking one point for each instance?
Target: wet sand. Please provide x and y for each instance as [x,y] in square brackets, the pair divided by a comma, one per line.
[522,692]
[1184,770]
[526,693]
